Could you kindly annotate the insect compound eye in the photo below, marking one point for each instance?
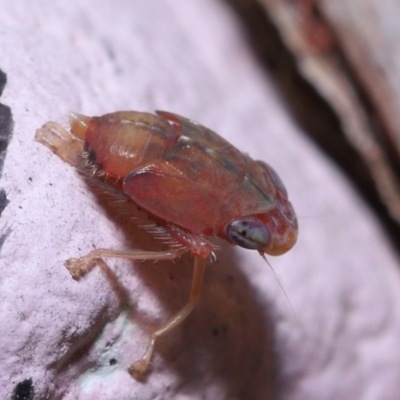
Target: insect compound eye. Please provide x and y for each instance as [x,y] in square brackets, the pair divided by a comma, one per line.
[250,233]
[277,181]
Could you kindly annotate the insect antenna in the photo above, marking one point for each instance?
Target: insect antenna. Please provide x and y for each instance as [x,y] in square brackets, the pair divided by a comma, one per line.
[283,290]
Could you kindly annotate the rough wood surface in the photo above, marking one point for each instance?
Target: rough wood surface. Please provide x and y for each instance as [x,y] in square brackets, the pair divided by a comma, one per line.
[75,340]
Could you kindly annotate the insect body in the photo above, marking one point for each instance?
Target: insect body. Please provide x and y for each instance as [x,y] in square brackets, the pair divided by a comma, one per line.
[191,183]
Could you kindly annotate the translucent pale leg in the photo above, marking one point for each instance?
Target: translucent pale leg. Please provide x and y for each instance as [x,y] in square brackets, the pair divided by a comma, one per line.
[80,266]
[138,368]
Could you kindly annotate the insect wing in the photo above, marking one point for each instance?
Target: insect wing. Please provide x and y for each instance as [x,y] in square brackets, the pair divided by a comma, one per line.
[166,192]
[201,183]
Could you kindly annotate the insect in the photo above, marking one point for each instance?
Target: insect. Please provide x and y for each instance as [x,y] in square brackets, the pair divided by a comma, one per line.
[190,182]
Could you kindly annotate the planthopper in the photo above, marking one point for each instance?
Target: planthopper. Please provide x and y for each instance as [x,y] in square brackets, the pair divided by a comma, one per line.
[190,182]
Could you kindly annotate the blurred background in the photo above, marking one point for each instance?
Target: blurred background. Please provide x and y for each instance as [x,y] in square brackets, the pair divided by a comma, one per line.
[337,67]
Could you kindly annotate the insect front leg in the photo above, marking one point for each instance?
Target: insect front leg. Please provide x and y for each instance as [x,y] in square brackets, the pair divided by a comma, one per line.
[138,368]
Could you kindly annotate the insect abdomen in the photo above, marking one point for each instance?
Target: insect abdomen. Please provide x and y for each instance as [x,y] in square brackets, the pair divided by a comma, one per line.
[121,142]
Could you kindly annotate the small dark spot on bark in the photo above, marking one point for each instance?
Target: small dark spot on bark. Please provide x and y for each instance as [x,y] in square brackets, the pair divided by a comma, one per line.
[113,361]
[4,235]
[3,200]
[3,81]
[6,128]
[24,390]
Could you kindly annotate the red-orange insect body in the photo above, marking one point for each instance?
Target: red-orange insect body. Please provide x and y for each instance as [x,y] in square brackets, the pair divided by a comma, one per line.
[191,183]
[188,176]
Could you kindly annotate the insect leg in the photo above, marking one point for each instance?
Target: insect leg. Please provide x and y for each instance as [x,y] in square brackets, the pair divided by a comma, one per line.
[80,266]
[139,367]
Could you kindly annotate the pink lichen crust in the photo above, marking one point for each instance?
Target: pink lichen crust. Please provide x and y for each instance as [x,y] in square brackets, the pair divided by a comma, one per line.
[75,340]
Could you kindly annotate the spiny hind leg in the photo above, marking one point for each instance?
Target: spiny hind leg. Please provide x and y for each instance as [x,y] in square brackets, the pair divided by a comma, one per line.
[138,368]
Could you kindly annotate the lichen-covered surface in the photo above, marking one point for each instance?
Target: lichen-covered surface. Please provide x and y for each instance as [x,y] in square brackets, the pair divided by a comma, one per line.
[62,339]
